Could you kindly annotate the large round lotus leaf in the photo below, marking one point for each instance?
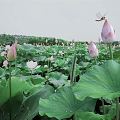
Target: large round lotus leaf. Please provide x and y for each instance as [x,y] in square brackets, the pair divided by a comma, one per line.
[91,116]
[101,81]
[17,86]
[60,105]
[63,104]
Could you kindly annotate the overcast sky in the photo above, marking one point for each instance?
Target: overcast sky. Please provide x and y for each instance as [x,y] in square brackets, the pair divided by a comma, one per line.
[67,19]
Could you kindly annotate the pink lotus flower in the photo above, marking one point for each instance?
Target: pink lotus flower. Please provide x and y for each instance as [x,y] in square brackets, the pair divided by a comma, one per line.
[11,55]
[108,33]
[93,51]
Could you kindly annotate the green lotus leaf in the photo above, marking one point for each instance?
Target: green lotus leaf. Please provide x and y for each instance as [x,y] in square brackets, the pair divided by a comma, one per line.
[17,86]
[89,116]
[57,78]
[25,108]
[63,104]
[30,106]
[101,81]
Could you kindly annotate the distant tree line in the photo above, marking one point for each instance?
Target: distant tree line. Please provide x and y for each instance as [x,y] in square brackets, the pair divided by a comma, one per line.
[9,39]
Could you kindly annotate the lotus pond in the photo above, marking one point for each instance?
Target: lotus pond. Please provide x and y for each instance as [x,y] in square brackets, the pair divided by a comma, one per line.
[51,82]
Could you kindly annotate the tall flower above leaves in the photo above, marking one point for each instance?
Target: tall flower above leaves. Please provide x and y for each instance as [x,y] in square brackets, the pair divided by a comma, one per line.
[108,33]
[93,51]
[11,54]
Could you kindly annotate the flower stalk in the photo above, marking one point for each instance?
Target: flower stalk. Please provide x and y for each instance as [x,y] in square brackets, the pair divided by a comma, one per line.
[48,66]
[102,100]
[103,105]
[110,50]
[72,75]
[10,90]
[117,109]
[117,99]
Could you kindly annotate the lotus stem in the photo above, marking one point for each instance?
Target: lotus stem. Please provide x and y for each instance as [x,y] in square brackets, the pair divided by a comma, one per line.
[117,109]
[103,105]
[31,77]
[10,96]
[10,91]
[72,75]
[15,64]
[110,50]
[95,61]
[48,66]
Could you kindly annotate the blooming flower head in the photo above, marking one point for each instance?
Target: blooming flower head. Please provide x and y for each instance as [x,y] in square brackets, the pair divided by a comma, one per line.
[31,65]
[7,47]
[61,52]
[108,33]
[56,41]
[45,66]
[11,55]
[93,51]
[51,58]
[3,53]
[5,63]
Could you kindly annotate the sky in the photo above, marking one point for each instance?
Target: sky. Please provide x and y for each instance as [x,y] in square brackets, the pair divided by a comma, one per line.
[66,19]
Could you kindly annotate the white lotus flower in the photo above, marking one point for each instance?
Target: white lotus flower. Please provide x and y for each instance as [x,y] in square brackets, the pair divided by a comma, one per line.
[56,41]
[3,53]
[31,65]
[51,58]
[5,63]
[68,48]
[45,66]
[61,52]
[7,47]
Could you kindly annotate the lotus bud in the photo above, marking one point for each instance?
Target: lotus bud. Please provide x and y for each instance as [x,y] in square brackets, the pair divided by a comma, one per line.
[108,33]
[31,65]
[11,55]
[93,51]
